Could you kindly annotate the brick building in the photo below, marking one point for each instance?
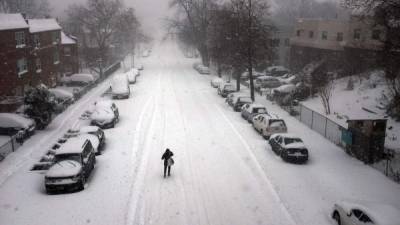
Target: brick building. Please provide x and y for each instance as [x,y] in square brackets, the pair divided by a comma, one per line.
[69,55]
[45,39]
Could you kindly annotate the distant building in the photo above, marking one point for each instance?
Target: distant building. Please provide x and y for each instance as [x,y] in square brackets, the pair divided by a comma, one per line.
[69,55]
[347,45]
[45,54]
[280,40]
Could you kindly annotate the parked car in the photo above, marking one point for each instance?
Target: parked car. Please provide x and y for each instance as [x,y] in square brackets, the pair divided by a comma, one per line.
[289,147]
[250,110]
[362,213]
[120,86]
[105,115]
[73,164]
[246,75]
[93,130]
[62,96]
[266,82]
[276,71]
[132,74]
[232,96]
[12,123]
[225,89]
[215,82]
[266,125]
[239,101]
[80,79]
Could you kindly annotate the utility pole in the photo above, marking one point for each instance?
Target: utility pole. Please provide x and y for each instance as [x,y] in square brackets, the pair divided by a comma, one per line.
[250,50]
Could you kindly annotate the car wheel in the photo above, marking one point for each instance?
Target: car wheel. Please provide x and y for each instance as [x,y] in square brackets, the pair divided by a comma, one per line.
[82,182]
[336,217]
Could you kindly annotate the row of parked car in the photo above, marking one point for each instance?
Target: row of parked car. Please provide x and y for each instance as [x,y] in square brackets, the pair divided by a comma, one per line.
[71,160]
[292,149]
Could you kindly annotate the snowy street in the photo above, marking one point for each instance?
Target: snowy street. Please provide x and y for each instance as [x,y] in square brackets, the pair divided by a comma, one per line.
[225,173]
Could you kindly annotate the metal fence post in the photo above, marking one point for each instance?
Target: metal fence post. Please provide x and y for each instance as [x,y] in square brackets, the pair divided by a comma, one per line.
[326,124]
[12,145]
[312,119]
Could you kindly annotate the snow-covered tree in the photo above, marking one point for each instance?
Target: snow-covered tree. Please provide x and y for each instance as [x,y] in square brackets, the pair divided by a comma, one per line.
[31,8]
[40,104]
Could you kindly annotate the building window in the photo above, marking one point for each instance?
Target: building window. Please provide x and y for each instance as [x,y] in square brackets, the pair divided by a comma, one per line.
[287,42]
[339,36]
[67,51]
[311,34]
[38,64]
[54,37]
[299,33]
[22,66]
[324,35]
[36,40]
[357,34]
[56,57]
[20,39]
[376,35]
[275,42]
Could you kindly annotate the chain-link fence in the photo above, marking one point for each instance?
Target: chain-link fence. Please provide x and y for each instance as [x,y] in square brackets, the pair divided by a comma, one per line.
[321,124]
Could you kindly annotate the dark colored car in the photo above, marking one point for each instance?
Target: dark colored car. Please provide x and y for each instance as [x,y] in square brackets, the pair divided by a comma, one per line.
[73,163]
[240,101]
[226,89]
[290,147]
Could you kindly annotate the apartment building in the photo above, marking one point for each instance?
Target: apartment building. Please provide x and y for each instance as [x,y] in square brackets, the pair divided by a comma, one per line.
[348,46]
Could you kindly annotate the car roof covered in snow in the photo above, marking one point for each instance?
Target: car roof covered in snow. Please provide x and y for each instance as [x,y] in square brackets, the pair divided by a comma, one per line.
[60,93]
[14,120]
[382,214]
[88,129]
[93,140]
[41,25]
[72,146]
[286,88]
[66,40]
[12,21]
[285,135]
[277,68]
[256,105]
[82,77]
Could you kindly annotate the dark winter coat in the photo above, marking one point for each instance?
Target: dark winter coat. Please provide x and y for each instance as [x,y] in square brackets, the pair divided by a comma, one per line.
[167,154]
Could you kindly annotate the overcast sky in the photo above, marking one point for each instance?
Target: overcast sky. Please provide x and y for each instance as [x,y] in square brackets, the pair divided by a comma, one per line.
[149,12]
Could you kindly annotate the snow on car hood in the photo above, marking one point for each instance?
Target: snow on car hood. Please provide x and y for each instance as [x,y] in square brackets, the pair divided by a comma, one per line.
[61,94]
[298,145]
[65,168]
[102,115]
[15,120]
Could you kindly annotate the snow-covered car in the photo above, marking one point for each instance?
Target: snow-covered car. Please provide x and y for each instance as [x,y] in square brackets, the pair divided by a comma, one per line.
[276,71]
[266,82]
[203,69]
[73,164]
[215,82]
[120,86]
[81,79]
[266,125]
[103,117]
[290,147]
[246,75]
[62,96]
[251,110]
[93,130]
[284,89]
[132,74]
[12,123]
[225,89]
[239,101]
[362,213]
[108,105]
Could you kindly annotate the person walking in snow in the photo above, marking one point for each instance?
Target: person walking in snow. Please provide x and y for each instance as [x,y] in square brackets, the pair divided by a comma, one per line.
[168,161]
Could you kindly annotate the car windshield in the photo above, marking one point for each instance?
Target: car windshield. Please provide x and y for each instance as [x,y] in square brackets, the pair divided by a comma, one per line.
[61,157]
[292,140]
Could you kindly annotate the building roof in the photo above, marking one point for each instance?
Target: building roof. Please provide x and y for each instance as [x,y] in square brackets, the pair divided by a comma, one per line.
[41,25]
[12,21]
[66,40]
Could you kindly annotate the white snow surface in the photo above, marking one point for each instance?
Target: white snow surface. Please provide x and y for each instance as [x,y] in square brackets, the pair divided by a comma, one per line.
[65,168]
[12,21]
[82,77]
[14,120]
[224,172]
[61,93]
[41,25]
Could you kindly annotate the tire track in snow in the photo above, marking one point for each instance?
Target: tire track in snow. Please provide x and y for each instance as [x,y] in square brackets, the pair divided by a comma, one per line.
[264,176]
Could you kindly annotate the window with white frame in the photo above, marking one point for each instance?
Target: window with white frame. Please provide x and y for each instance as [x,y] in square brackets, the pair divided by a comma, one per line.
[22,66]
[38,64]
[20,39]
[56,57]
